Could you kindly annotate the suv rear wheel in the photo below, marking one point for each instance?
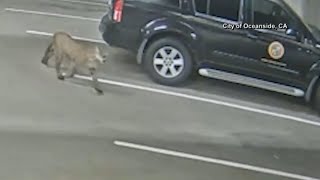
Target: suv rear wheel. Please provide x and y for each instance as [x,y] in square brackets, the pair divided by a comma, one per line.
[316,98]
[168,62]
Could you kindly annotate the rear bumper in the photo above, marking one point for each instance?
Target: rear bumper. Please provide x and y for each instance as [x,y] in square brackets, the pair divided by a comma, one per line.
[105,22]
[107,28]
[116,35]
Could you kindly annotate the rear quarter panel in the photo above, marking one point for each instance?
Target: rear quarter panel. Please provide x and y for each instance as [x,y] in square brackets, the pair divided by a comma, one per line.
[176,27]
[136,14]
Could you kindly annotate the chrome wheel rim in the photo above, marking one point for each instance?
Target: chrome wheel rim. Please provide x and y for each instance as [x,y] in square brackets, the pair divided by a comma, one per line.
[168,62]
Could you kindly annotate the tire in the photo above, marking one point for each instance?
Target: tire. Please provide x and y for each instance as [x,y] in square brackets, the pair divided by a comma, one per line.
[316,98]
[168,62]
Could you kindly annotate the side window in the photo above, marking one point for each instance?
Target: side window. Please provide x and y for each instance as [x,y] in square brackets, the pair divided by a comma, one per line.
[201,6]
[267,12]
[173,3]
[168,3]
[226,9]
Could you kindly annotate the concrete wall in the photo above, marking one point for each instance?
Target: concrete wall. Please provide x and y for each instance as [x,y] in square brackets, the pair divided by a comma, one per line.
[308,9]
[312,13]
[297,5]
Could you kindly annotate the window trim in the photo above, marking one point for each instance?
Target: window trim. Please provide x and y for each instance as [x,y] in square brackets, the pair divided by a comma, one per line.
[216,18]
[241,11]
[276,33]
[208,6]
[180,4]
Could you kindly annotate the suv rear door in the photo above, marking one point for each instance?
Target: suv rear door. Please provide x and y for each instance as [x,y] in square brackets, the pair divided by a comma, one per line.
[224,48]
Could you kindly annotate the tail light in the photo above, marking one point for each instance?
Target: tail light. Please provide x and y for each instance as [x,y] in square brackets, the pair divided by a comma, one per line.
[117,10]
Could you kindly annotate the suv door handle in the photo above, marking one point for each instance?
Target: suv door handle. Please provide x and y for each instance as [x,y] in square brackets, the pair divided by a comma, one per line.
[251,36]
[309,51]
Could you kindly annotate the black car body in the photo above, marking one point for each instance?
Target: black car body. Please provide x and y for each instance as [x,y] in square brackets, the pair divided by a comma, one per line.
[223,40]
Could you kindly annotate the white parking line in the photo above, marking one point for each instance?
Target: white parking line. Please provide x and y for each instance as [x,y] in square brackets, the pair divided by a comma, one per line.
[187,96]
[85,2]
[197,98]
[213,161]
[51,14]
[75,37]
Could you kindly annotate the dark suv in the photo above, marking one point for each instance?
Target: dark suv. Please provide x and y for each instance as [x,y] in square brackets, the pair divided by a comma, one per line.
[259,43]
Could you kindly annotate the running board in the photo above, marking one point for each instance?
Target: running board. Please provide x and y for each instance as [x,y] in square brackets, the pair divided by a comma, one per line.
[253,82]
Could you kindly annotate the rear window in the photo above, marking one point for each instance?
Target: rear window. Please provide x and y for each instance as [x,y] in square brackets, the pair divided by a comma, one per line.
[226,9]
[168,3]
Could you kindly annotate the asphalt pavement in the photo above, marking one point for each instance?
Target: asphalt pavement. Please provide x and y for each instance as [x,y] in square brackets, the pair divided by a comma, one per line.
[51,129]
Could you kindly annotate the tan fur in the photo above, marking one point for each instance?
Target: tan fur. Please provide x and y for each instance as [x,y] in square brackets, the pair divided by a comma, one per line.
[64,48]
